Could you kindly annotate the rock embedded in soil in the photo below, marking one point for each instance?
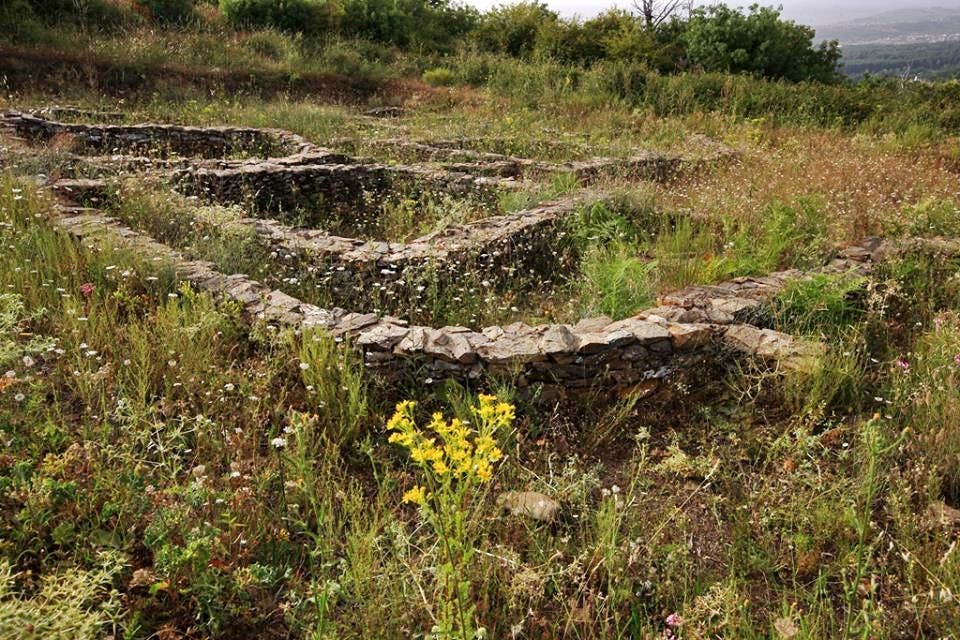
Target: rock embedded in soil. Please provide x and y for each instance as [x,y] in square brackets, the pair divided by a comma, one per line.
[529,504]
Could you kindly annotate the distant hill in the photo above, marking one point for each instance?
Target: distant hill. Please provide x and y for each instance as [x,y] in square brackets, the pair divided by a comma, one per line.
[918,42]
[903,26]
[925,60]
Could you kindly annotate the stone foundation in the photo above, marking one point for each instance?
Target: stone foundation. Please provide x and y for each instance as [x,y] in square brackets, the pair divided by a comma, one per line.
[155,139]
[689,331]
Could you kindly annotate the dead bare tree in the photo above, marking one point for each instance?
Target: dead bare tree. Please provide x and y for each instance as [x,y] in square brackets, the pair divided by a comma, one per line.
[656,12]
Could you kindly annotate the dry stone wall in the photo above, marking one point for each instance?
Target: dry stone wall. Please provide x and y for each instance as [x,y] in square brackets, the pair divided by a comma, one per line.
[317,191]
[597,351]
[453,156]
[688,331]
[157,139]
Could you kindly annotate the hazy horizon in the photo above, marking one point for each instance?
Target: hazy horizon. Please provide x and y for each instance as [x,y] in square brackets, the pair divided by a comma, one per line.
[812,12]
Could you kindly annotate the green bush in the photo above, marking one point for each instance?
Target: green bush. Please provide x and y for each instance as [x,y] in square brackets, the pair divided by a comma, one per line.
[439,77]
[19,17]
[514,29]
[311,17]
[272,45]
[723,39]
[169,11]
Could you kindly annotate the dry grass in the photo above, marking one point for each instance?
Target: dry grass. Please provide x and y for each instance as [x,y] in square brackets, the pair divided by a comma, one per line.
[864,183]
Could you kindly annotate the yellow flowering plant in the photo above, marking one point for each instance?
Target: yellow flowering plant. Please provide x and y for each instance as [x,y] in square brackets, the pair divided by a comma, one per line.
[455,459]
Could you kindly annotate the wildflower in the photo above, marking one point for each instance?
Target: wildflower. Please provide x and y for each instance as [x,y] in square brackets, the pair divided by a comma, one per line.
[674,620]
[903,363]
[28,361]
[417,495]
[304,366]
[956,359]
[279,442]
[483,470]
[87,289]
[19,397]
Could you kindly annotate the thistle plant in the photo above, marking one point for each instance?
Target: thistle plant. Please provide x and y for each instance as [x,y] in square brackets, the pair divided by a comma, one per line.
[454,459]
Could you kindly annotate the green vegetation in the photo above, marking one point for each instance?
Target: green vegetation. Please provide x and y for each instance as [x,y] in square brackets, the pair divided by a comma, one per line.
[170,468]
[927,60]
[714,39]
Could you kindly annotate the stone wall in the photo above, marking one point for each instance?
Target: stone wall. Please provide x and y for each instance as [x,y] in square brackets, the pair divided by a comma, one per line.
[689,331]
[454,156]
[157,139]
[594,352]
[347,195]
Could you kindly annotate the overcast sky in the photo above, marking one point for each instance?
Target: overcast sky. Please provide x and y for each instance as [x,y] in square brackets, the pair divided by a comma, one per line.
[815,12]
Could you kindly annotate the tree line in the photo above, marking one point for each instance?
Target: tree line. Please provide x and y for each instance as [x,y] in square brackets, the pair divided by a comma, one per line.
[664,35]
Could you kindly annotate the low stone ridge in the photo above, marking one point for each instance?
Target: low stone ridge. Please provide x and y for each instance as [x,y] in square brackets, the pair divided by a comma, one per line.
[493,248]
[517,241]
[160,139]
[317,190]
[742,300]
[62,113]
[643,165]
[690,329]
[594,352]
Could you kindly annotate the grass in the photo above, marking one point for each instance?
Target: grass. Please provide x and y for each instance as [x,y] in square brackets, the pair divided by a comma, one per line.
[168,469]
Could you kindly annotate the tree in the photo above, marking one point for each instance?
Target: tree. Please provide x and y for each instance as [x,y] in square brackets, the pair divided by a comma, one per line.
[759,42]
[656,12]
[514,28]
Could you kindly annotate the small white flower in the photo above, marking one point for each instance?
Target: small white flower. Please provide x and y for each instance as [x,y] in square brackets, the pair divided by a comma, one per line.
[19,397]
[304,366]
[279,442]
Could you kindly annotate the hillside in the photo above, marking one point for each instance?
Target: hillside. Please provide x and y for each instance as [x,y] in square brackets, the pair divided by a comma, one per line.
[929,61]
[905,26]
[326,337]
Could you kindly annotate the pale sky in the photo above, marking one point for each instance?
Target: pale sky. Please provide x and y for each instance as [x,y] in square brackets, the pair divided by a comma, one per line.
[814,12]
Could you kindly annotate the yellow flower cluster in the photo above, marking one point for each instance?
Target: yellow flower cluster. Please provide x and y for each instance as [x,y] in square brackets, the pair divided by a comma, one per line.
[417,495]
[452,450]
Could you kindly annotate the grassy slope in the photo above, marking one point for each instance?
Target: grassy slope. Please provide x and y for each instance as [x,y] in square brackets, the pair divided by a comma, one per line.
[155,443]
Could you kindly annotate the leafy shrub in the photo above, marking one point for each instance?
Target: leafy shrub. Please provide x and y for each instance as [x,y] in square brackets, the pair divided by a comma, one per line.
[169,11]
[74,604]
[17,21]
[723,39]
[272,45]
[932,217]
[514,28]
[298,16]
[439,77]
